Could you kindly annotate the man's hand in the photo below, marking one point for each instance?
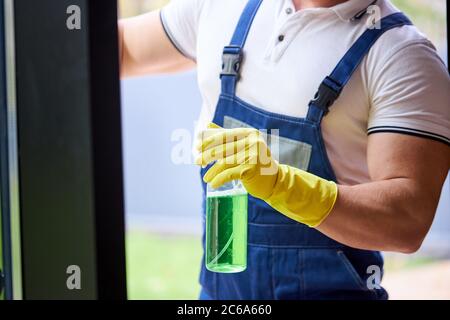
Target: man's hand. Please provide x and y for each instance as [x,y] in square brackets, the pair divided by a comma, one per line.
[243,154]
[238,154]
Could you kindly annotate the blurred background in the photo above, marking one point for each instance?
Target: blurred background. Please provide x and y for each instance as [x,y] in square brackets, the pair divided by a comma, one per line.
[164,215]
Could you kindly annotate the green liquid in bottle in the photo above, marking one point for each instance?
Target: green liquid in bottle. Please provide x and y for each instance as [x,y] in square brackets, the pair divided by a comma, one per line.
[226,233]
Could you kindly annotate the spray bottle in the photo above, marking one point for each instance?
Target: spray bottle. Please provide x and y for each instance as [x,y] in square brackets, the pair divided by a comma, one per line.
[226,228]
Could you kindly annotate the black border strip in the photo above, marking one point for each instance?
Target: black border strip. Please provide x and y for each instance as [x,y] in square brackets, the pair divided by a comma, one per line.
[408,131]
[107,149]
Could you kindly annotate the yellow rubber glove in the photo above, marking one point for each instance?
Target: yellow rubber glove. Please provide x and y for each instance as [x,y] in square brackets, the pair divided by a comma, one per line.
[243,154]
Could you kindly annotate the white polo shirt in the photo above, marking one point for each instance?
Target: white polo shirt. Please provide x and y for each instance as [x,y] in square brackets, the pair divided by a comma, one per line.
[401,86]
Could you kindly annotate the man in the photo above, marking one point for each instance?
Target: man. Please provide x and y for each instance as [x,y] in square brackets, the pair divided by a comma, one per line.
[360,166]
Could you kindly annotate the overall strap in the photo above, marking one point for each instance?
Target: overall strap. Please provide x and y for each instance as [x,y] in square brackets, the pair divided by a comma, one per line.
[233,53]
[331,87]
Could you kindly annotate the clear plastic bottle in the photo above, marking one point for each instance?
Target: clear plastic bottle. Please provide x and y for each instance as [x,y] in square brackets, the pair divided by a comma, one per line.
[226,228]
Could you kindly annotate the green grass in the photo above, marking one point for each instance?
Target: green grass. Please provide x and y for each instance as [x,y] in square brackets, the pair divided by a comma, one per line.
[400,262]
[421,11]
[162,266]
[167,267]
[429,17]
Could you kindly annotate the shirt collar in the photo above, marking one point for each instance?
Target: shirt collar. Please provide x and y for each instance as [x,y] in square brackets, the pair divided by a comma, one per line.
[349,9]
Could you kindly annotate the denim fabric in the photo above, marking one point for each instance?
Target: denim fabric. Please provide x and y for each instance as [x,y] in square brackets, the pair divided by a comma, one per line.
[287,259]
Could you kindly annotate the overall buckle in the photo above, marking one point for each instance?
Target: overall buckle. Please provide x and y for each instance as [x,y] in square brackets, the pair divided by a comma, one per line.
[231,61]
[325,96]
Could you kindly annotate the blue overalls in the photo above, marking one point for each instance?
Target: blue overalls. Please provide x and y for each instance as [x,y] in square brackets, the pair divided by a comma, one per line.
[287,259]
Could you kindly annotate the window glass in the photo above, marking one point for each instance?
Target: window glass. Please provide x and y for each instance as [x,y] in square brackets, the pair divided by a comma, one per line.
[164,224]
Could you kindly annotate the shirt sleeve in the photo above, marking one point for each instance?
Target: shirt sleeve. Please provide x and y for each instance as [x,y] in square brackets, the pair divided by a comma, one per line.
[180,22]
[410,93]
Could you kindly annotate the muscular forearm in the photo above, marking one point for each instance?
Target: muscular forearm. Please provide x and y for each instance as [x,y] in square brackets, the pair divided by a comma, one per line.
[388,215]
[396,209]
[392,213]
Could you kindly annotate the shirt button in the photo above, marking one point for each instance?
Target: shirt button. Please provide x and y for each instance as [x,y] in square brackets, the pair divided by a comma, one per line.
[289,10]
[280,37]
